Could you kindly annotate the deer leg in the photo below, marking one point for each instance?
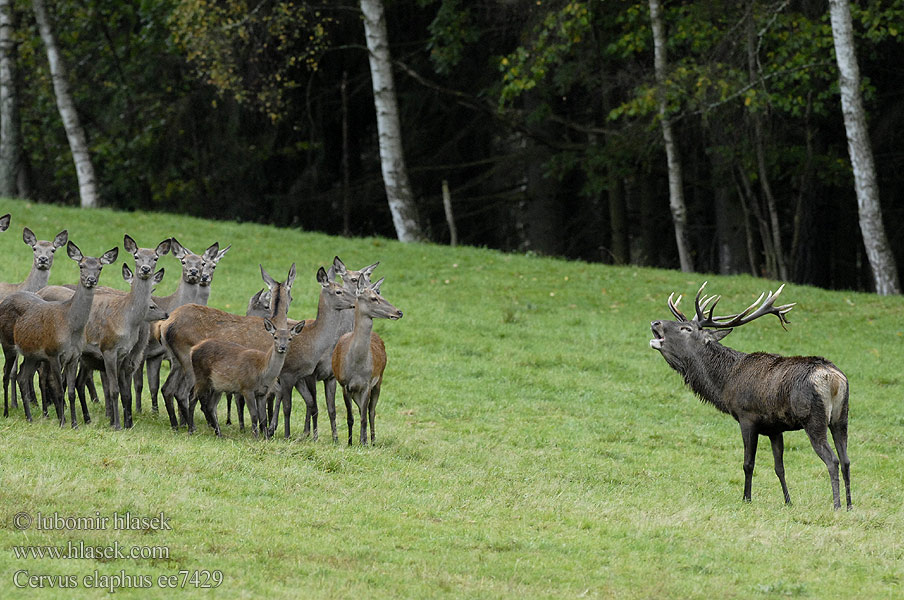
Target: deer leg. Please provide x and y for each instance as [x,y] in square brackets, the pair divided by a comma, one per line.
[26,371]
[372,411]
[778,451]
[13,376]
[240,411]
[229,408]
[125,395]
[329,391]
[168,393]
[307,387]
[287,407]
[251,401]
[55,383]
[73,389]
[11,356]
[213,398]
[47,395]
[839,435]
[138,384]
[111,368]
[748,432]
[821,446]
[361,399]
[153,367]
[349,415]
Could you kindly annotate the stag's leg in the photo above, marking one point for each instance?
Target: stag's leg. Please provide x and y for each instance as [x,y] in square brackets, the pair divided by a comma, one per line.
[329,392]
[839,434]
[778,451]
[820,443]
[748,432]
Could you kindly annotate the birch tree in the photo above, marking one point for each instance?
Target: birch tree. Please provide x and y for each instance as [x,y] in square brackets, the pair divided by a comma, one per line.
[84,169]
[10,132]
[389,129]
[676,192]
[878,251]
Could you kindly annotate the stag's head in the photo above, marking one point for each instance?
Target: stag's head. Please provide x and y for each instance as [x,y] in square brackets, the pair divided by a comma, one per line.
[679,339]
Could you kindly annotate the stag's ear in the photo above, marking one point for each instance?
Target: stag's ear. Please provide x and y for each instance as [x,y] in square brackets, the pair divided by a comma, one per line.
[719,334]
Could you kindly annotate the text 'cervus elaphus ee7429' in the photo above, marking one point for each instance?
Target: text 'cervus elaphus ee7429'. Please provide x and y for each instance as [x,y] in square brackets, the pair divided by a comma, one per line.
[767,394]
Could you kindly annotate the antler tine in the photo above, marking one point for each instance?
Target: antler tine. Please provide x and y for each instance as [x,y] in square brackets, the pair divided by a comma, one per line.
[673,306]
[756,310]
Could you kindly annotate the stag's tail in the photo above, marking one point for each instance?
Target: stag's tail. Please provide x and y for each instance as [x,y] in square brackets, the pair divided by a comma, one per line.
[832,387]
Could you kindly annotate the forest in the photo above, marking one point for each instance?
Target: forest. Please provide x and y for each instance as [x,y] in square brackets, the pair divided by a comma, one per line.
[541,120]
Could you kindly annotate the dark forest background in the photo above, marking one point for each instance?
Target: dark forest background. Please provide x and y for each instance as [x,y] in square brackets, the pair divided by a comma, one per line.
[540,115]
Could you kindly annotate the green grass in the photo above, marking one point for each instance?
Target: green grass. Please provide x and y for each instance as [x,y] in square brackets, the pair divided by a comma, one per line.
[530,444]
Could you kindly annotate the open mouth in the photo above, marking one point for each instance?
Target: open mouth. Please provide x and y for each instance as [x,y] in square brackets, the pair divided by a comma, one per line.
[658,337]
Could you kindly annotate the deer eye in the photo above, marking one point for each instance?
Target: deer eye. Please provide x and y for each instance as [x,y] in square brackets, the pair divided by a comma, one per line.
[685,329]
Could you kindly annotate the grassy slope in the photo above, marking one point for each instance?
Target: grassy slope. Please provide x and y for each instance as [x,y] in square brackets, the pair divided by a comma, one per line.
[530,443]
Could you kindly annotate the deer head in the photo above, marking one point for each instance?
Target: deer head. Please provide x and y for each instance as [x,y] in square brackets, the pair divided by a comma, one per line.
[681,339]
[43,251]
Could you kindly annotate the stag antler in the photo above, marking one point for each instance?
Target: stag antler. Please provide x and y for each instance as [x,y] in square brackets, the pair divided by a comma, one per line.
[760,307]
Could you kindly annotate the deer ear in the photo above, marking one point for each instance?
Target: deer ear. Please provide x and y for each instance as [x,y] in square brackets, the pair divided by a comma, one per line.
[339,266]
[164,247]
[268,325]
[4,222]
[211,252]
[222,253]
[322,278]
[109,257]
[298,327]
[158,276]
[61,239]
[291,278]
[369,269]
[271,283]
[129,244]
[177,249]
[376,287]
[126,273]
[28,236]
[73,251]
[719,334]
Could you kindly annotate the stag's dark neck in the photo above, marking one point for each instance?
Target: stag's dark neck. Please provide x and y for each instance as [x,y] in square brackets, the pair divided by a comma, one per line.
[707,372]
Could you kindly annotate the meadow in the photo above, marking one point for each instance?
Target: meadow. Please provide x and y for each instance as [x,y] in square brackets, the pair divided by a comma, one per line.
[530,443]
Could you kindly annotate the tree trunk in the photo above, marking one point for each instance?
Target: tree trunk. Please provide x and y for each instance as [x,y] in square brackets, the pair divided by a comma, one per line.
[676,192]
[392,157]
[10,127]
[878,251]
[87,186]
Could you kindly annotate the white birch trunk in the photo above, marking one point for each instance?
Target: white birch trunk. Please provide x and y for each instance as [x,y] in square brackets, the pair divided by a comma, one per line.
[10,132]
[878,251]
[87,186]
[392,157]
[676,189]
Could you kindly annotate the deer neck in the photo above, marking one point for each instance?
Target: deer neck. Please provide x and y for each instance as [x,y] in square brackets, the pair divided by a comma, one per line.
[37,279]
[80,309]
[274,364]
[139,299]
[186,293]
[707,372]
[359,347]
[202,295]
[325,330]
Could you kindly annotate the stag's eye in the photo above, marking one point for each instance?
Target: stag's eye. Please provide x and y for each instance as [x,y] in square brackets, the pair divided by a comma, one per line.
[685,329]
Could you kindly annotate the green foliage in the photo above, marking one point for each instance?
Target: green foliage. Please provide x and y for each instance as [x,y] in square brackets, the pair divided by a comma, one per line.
[451,31]
[530,443]
[552,42]
[251,50]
